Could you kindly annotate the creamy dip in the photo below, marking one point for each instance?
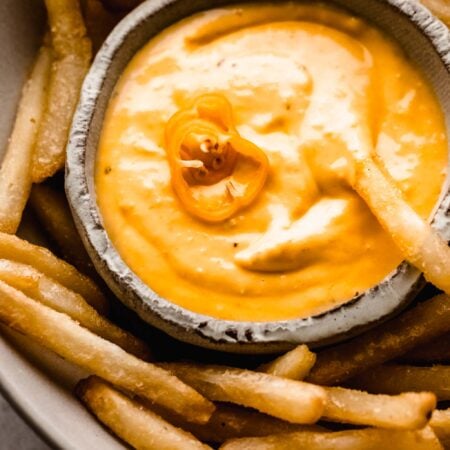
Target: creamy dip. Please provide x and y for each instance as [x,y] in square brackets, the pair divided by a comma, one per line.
[304,83]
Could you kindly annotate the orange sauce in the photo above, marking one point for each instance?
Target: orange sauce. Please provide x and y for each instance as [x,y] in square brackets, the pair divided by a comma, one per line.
[303,81]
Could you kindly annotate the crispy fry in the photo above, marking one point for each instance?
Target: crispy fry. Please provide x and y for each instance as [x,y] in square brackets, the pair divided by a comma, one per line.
[440,423]
[394,379]
[295,364]
[290,400]
[42,288]
[420,324]
[99,21]
[15,249]
[53,213]
[232,421]
[138,426]
[368,439]
[407,411]
[15,172]
[72,50]
[437,350]
[59,333]
[416,239]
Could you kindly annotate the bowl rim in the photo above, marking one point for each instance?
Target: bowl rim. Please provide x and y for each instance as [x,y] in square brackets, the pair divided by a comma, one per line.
[394,293]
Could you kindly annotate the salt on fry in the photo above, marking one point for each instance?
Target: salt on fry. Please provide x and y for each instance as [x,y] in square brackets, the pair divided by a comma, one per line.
[16,249]
[394,379]
[408,411]
[294,401]
[72,56]
[367,439]
[53,212]
[61,334]
[128,419]
[416,326]
[294,364]
[52,294]
[15,172]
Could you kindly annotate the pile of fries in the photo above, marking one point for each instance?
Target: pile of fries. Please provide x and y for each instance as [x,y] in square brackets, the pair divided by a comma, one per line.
[389,387]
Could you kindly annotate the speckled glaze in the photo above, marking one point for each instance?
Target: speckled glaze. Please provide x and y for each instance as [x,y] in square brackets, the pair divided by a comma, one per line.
[425,40]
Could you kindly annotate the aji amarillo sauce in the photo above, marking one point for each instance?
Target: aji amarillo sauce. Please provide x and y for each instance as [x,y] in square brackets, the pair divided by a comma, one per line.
[304,83]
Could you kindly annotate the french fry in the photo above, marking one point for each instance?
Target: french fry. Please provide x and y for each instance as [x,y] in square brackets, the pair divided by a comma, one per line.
[42,288]
[394,379]
[367,439]
[231,421]
[128,419]
[15,172]
[294,364]
[408,411]
[440,423]
[54,214]
[415,238]
[416,326]
[294,401]
[72,52]
[437,350]
[59,333]
[16,249]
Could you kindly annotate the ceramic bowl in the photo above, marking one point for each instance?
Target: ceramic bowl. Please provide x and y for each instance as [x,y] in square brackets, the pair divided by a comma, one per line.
[425,40]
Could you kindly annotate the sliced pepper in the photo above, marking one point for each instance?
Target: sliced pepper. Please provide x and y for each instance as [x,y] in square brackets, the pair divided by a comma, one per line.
[214,171]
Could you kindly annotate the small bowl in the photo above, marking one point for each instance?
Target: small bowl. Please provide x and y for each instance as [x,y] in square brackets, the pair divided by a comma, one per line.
[426,41]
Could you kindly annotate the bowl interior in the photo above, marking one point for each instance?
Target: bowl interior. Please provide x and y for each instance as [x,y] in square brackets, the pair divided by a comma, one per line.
[424,39]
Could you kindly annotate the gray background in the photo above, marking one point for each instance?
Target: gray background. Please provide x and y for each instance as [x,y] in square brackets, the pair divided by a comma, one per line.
[15,433]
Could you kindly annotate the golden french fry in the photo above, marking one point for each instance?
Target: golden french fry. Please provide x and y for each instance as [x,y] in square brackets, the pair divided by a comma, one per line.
[61,334]
[394,379]
[72,52]
[367,439]
[416,239]
[437,350]
[42,288]
[441,8]
[294,401]
[440,423]
[99,21]
[232,421]
[408,411]
[53,212]
[15,172]
[294,364]
[416,326]
[128,419]
[16,249]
